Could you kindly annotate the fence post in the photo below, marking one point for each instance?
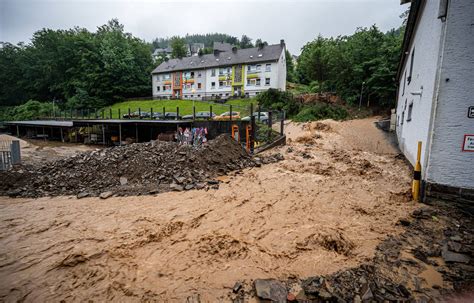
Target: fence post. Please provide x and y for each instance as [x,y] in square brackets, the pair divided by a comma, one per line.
[210,112]
[164,112]
[230,119]
[282,123]
[151,113]
[177,112]
[103,115]
[119,114]
[110,113]
[128,113]
[194,113]
[139,113]
[270,125]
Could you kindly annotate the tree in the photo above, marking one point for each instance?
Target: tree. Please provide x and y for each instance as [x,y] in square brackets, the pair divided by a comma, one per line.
[290,67]
[178,46]
[259,43]
[245,42]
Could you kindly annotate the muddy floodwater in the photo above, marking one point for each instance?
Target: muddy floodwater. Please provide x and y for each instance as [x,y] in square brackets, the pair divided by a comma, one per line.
[340,182]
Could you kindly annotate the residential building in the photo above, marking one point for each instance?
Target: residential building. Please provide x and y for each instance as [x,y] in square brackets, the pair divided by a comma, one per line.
[227,72]
[435,102]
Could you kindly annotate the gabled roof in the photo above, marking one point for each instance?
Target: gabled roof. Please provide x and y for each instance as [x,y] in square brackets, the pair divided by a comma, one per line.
[414,15]
[240,56]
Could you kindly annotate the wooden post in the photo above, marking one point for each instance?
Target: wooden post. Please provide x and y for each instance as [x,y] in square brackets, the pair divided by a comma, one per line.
[120,134]
[210,112]
[103,135]
[139,113]
[136,132]
[119,114]
[282,123]
[129,113]
[230,117]
[269,125]
[194,113]
[62,136]
[177,112]
[151,113]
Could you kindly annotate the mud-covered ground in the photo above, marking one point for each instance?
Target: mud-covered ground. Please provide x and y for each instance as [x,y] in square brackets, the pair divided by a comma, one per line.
[340,192]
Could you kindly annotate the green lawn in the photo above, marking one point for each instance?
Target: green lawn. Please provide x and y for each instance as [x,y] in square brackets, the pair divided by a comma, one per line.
[185,106]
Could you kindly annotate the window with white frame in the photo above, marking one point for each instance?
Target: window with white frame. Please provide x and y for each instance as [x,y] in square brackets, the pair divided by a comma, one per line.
[166,76]
[199,74]
[157,88]
[213,85]
[213,72]
[268,67]
[224,70]
[254,68]
[267,81]
[224,83]
[157,77]
[253,82]
[199,85]
[257,82]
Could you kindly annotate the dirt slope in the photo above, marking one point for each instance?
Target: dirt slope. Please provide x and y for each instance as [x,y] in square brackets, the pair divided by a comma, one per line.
[322,209]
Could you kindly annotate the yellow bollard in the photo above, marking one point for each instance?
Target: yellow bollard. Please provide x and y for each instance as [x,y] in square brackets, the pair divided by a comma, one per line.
[417,175]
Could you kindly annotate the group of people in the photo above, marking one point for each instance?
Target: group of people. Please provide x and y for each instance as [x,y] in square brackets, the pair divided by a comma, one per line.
[195,136]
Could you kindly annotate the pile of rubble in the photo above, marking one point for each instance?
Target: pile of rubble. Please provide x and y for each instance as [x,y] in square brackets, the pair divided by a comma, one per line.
[144,168]
[438,242]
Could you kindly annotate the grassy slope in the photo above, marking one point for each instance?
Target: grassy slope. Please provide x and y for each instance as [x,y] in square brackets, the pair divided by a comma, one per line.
[185,106]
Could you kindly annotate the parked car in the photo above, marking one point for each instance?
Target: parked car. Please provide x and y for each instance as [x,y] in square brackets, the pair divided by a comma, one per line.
[227,115]
[172,116]
[158,116]
[263,117]
[136,115]
[200,115]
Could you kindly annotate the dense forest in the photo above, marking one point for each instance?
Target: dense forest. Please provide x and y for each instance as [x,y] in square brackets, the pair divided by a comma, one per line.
[75,67]
[365,61]
[207,39]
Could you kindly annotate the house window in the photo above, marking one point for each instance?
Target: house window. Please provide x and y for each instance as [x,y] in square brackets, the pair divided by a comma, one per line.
[199,75]
[166,77]
[192,75]
[268,67]
[157,77]
[199,85]
[221,83]
[404,82]
[254,68]
[199,96]
[213,72]
[224,71]
[267,81]
[213,84]
[227,94]
[157,88]
[411,65]
[259,67]
[258,82]
[410,110]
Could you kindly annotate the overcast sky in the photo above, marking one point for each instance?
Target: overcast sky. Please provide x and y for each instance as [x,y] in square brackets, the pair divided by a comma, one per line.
[296,21]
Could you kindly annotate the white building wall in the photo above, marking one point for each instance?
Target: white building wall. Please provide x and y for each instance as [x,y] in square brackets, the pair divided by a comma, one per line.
[426,43]
[448,164]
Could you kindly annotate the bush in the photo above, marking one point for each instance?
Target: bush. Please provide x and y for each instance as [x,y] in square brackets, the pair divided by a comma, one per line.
[32,110]
[320,112]
[278,100]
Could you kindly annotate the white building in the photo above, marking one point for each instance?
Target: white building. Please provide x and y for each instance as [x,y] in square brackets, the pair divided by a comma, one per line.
[435,102]
[225,73]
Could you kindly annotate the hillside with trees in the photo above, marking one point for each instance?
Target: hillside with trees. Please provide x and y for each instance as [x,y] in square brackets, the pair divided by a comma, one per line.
[365,61]
[76,67]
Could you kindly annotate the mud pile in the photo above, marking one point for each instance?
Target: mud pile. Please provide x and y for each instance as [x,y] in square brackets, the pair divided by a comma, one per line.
[144,168]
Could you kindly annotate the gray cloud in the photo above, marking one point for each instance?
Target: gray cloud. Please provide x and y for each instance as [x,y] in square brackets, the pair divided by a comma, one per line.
[295,21]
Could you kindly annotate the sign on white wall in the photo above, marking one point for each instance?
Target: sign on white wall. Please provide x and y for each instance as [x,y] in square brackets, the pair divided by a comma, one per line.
[468,145]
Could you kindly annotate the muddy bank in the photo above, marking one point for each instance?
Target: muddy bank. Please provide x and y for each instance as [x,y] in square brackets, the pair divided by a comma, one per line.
[322,209]
[136,169]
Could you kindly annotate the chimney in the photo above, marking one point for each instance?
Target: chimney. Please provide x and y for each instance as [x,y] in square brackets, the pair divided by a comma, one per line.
[216,52]
[282,43]
[234,49]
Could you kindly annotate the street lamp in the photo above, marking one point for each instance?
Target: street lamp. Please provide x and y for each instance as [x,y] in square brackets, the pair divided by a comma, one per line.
[360,99]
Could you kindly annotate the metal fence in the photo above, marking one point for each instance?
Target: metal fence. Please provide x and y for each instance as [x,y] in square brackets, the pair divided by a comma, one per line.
[9,153]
